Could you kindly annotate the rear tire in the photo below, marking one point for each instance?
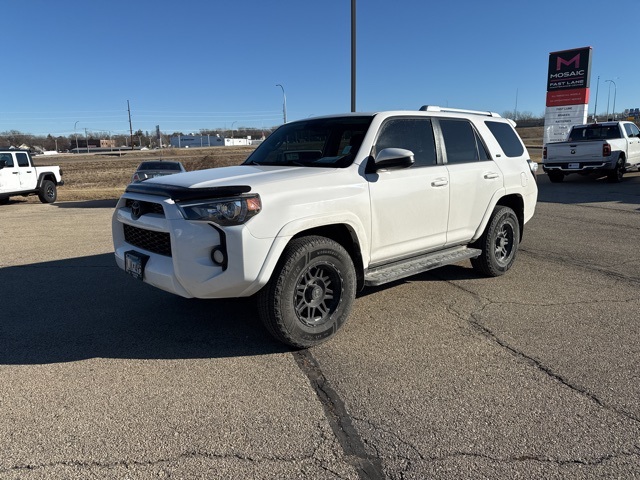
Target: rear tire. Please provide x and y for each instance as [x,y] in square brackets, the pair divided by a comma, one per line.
[48,192]
[556,177]
[499,243]
[310,293]
[615,176]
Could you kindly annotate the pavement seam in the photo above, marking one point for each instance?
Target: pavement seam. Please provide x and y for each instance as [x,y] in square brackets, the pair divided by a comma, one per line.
[367,467]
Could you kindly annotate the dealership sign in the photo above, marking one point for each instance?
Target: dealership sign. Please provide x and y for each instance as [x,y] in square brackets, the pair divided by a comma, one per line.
[567,86]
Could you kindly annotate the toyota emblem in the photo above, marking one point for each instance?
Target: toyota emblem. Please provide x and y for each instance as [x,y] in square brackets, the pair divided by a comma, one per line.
[136,210]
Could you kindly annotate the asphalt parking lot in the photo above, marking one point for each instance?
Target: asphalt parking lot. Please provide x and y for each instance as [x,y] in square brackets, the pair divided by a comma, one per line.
[447,375]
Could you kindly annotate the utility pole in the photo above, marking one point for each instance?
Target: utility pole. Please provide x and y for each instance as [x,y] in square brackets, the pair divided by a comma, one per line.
[353,55]
[130,127]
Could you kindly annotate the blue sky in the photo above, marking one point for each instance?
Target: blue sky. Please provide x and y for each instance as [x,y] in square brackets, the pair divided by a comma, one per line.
[208,64]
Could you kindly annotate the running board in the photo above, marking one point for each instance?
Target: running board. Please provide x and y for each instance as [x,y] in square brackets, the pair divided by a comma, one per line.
[412,266]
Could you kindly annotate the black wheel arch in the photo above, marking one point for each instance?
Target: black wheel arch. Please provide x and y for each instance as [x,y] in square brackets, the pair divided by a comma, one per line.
[347,238]
[46,176]
[516,203]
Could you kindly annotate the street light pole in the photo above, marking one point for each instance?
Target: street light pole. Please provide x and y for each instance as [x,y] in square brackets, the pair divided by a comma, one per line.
[595,109]
[232,124]
[615,91]
[76,135]
[284,103]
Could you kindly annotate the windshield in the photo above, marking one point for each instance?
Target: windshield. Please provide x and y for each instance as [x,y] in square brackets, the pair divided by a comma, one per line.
[320,142]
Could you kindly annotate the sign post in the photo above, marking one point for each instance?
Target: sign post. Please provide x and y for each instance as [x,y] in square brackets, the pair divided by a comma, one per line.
[567,92]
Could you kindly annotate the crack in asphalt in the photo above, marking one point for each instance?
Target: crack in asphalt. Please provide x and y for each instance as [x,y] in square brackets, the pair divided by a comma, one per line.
[474,320]
[367,467]
[314,458]
[586,266]
[532,458]
[496,459]
[185,455]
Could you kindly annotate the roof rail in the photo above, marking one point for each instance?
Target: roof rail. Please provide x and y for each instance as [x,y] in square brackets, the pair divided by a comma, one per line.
[435,108]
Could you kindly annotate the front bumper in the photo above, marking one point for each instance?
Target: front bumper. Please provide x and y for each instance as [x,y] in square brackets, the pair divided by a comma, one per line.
[180,251]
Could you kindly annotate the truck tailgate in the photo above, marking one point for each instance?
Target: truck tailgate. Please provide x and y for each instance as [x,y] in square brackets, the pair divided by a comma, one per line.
[574,151]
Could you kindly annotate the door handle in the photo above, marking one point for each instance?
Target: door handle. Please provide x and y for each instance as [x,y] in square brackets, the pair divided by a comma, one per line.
[491,175]
[440,182]
[15,173]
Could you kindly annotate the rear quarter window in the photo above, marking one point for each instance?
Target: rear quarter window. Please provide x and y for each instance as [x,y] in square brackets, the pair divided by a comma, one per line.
[507,138]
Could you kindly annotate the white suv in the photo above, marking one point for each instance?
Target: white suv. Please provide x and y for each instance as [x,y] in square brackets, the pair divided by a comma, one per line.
[326,206]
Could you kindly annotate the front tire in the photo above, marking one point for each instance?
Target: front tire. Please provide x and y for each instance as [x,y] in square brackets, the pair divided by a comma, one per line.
[48,192]
[499,243]
[310,293]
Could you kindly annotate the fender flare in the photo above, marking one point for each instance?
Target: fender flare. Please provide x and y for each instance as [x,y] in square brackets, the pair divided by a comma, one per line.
[46,176]
[501,193]
[297,226]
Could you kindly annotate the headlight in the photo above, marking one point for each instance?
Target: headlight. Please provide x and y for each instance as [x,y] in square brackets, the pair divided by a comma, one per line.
[223,211]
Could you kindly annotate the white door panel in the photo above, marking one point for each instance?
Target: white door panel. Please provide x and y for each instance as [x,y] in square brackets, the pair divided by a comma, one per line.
[409,209]
[26,171]
[634,151]
[472,186]
[9,176]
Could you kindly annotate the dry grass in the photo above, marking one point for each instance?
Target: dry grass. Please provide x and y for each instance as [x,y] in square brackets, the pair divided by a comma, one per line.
[104,177]
[531,135]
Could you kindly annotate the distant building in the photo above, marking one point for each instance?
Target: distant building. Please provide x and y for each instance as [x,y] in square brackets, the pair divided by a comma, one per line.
[193,141]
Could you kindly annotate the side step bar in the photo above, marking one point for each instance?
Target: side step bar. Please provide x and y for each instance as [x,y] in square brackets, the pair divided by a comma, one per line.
[412,266]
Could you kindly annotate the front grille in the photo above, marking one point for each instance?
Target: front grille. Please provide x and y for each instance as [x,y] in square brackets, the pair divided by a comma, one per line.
[157,242]
[145,207]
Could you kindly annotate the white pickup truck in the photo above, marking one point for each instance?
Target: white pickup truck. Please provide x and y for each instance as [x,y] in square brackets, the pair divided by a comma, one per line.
[20,177]
[326,206]
[607,148]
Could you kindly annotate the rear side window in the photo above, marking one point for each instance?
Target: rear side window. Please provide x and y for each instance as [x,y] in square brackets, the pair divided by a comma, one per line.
[461,142]
[507,138]
[23,160]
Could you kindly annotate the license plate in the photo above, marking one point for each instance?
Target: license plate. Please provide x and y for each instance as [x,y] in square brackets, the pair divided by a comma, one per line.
[134,263]
[573,166]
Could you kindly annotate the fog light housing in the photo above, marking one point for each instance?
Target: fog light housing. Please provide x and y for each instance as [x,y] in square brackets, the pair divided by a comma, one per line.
[219,257]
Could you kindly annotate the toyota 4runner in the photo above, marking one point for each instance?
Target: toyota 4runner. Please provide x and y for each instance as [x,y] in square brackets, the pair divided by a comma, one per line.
[326,206]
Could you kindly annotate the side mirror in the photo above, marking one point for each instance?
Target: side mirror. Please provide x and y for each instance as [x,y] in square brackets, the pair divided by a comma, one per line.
[393,158]
[3,163]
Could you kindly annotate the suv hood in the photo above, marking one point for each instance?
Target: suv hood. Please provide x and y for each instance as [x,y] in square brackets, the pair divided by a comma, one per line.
[254,175]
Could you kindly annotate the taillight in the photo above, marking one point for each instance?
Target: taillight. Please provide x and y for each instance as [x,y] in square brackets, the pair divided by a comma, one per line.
[606,149]
[544,153]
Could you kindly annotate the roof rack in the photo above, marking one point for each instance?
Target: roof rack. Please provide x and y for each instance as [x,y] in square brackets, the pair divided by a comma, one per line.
[435,108]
